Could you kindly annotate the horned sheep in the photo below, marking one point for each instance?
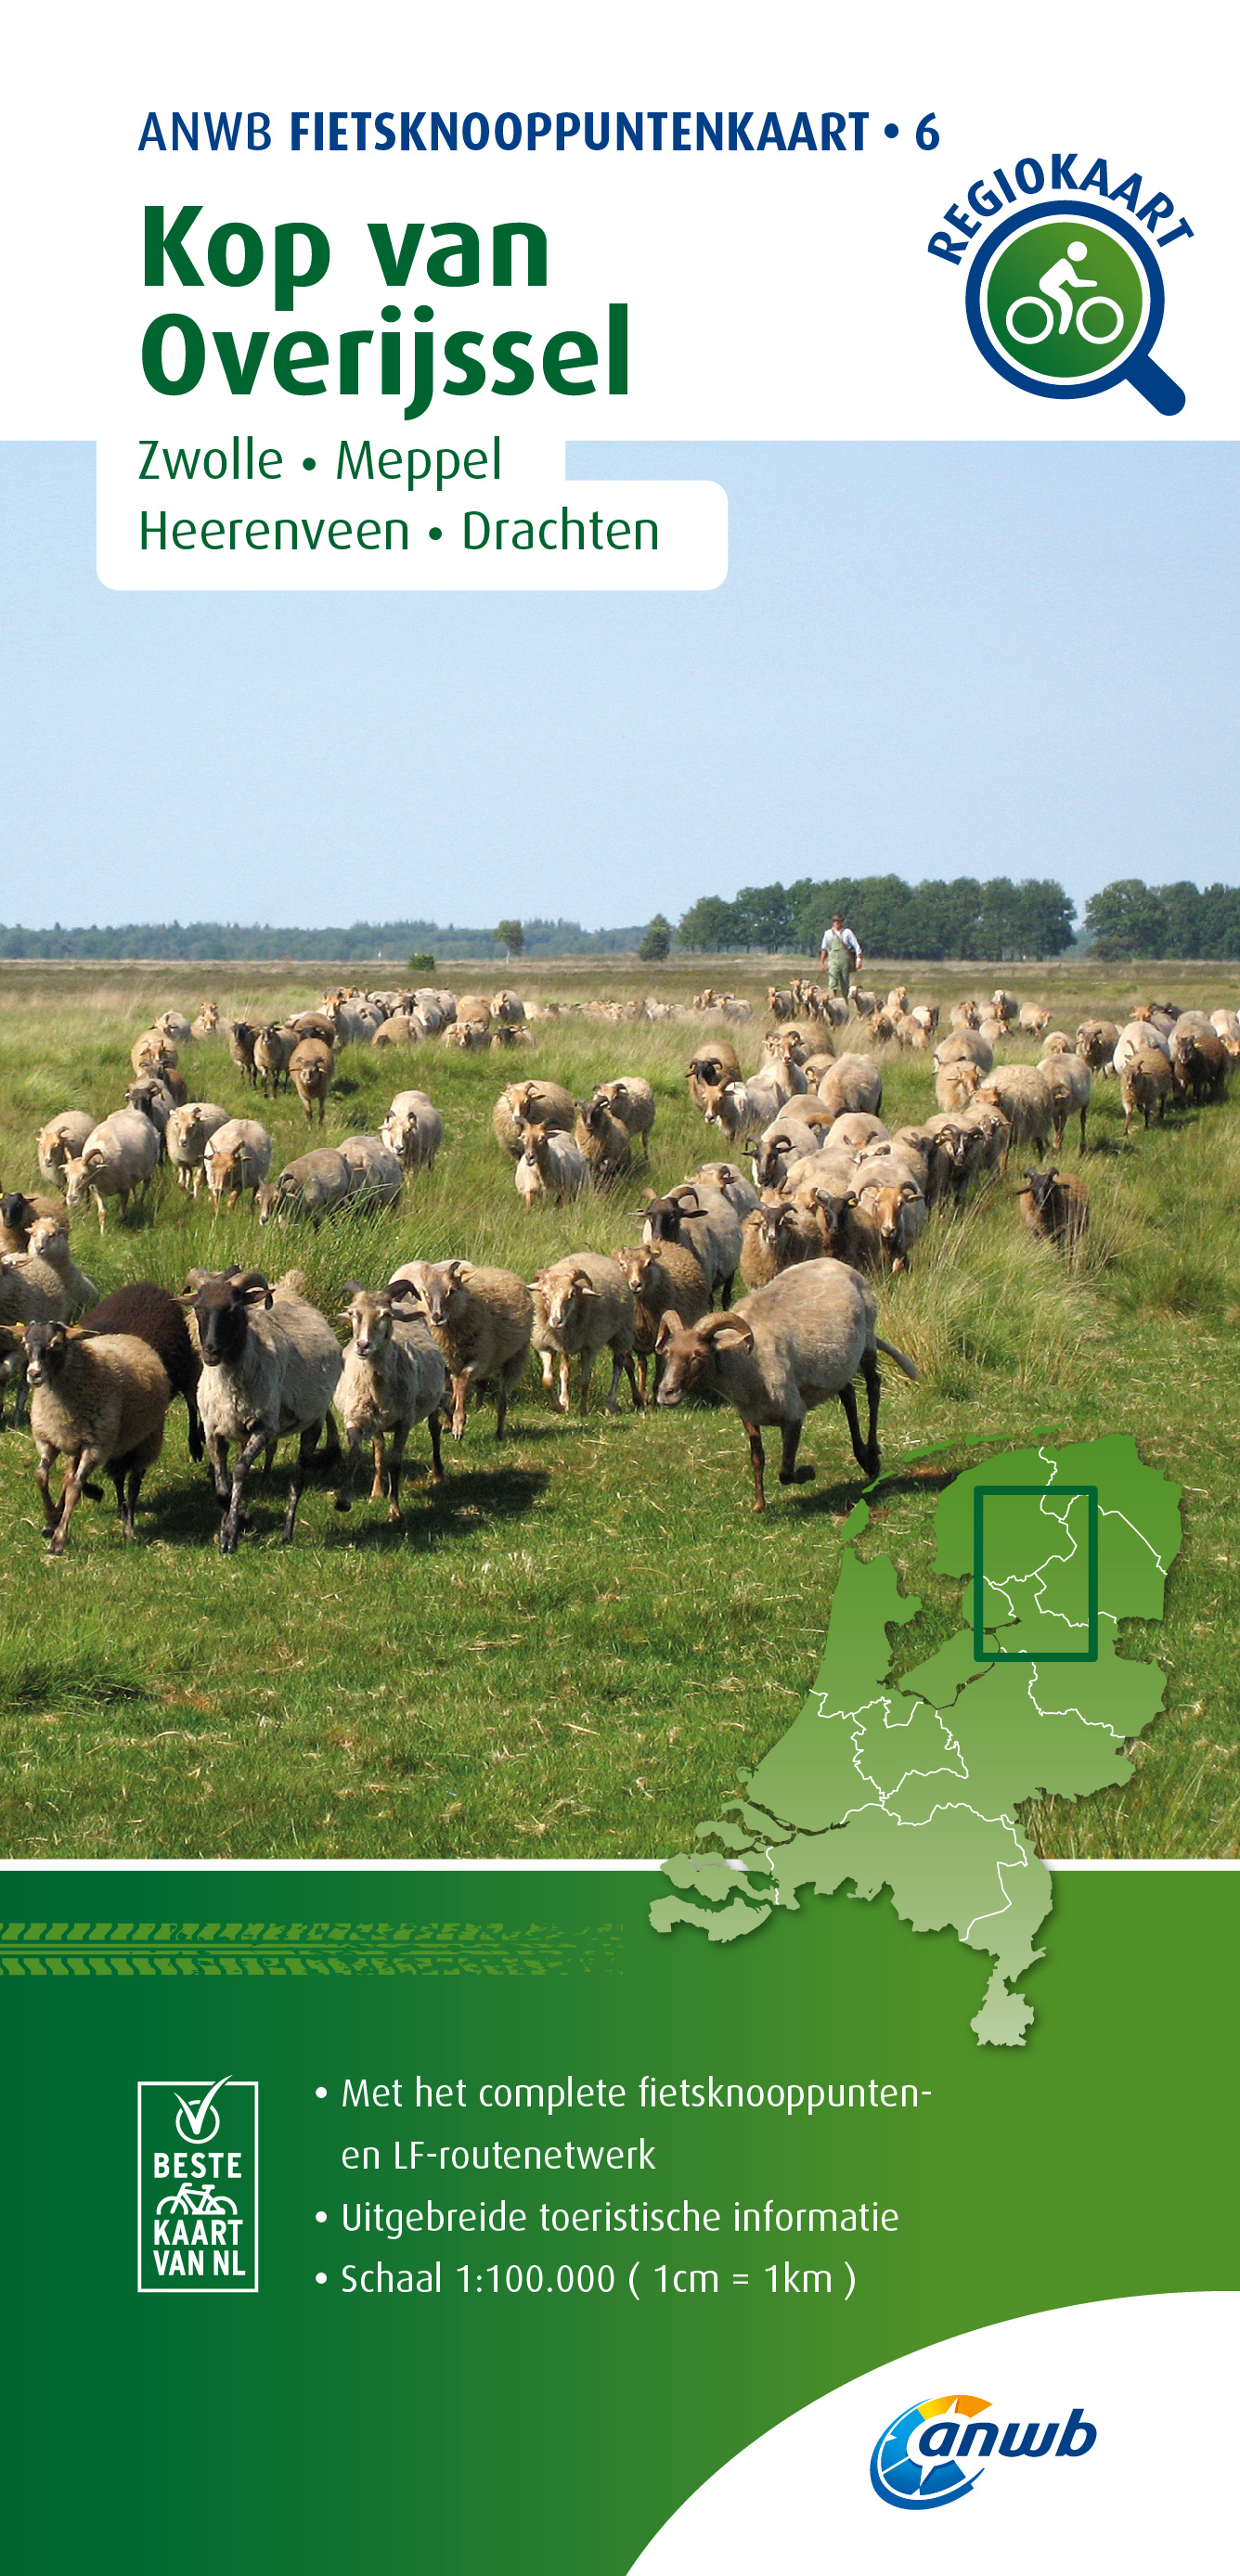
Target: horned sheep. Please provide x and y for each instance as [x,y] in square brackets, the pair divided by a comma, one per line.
[481,1319]
[393,1378]
[784,1349]
[584,1305]
[236,1158]
[661,1275]
[270,1366]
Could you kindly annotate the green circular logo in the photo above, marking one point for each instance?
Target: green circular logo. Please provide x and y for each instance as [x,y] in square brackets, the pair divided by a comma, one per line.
[1065,300]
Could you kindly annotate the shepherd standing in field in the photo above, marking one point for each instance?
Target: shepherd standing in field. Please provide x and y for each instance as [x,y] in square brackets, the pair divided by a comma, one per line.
[841,956]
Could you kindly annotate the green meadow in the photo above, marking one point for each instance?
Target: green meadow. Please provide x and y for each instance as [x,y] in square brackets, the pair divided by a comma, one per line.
[578,1644]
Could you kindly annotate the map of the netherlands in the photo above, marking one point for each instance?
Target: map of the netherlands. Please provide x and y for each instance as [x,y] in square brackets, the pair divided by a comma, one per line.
[911,1781]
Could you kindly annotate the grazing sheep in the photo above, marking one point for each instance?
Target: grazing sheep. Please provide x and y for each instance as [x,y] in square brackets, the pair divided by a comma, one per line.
[704,1220]
[21,1212]
[782,1350]
[414,1130]
[964,1015]
[797,1131]
[241,1039]
[1055,1208]
[831,1168]
[175,1027]
[899,1212]
[1145,1080]
[1005,1007]
[1226,1025]
[661,1276]
[393,1378]
[603,1140]
[508,1008]
[151,1315]
[927,1016]
[631,1100]
[1070,1082]
[854,1082]
[311,1067]
[61,1139]
[377,1175]
[118,1157]
[552,1166]
[270,1365]
[781,1053]
[207,1023]
[100,1401]
[1034,1017]
[481,1319]
[49,1242]
[847,1230]
[584,1305]
[964,1046]
[186,1137]
[314,1024]
[1022,1096]
[472,1037]
[1058,1042]
[527,1104]
[236,1157]
[312,1186]
[1096,1042]
[773,1237]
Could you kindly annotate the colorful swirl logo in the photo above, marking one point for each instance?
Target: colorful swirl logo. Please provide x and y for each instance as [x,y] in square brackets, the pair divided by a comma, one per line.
[909,2466]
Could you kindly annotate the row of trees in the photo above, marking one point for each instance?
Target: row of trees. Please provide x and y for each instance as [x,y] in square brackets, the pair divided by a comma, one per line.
[960,917]
[1129,919]
[363,941]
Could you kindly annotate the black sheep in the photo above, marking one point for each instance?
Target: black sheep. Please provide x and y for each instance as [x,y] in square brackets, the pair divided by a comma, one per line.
[148,1311]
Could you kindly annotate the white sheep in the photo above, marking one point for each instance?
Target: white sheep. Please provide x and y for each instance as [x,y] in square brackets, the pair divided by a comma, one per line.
[185,1140]
[311,1186]
[118,1157]
[414,1130]
[552,1166]
[393,1378]
[62,1138]
[583,1305]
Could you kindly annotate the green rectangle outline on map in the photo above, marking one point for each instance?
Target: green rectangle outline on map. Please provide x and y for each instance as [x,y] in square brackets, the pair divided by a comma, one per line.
[983,1654]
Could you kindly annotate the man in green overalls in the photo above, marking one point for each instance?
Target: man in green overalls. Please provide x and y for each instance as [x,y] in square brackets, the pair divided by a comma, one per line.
[841,956]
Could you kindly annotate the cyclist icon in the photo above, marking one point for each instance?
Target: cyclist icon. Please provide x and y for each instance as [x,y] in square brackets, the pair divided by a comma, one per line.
[1058,282]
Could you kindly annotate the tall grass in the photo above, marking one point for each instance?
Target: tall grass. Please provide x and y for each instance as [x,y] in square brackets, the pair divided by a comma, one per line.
[577,1642]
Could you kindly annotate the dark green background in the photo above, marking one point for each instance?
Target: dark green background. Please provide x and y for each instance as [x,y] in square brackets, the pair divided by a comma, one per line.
[309,2431]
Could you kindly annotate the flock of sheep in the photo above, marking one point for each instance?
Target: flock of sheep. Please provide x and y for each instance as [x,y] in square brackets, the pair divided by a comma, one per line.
[836,1200]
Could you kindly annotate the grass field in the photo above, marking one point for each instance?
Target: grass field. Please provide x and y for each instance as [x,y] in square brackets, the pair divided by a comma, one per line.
[576,1644]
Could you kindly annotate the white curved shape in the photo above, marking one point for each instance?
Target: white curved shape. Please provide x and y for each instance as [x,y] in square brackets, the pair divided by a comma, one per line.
[1155,2376]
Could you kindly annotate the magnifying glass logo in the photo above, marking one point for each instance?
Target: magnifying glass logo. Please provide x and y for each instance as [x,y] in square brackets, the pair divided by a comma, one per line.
[1064,304]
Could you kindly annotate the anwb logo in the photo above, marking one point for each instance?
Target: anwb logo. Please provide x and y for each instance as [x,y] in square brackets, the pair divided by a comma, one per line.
[936,2452]
[198,2185]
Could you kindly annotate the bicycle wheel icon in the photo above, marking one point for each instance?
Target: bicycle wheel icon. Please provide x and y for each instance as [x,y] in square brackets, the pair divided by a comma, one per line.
[1030,304]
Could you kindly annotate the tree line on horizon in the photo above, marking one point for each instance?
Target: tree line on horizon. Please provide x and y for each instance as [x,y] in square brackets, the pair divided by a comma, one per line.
[936,919]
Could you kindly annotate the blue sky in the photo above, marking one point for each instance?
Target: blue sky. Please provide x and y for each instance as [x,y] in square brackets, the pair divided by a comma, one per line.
[938,660]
